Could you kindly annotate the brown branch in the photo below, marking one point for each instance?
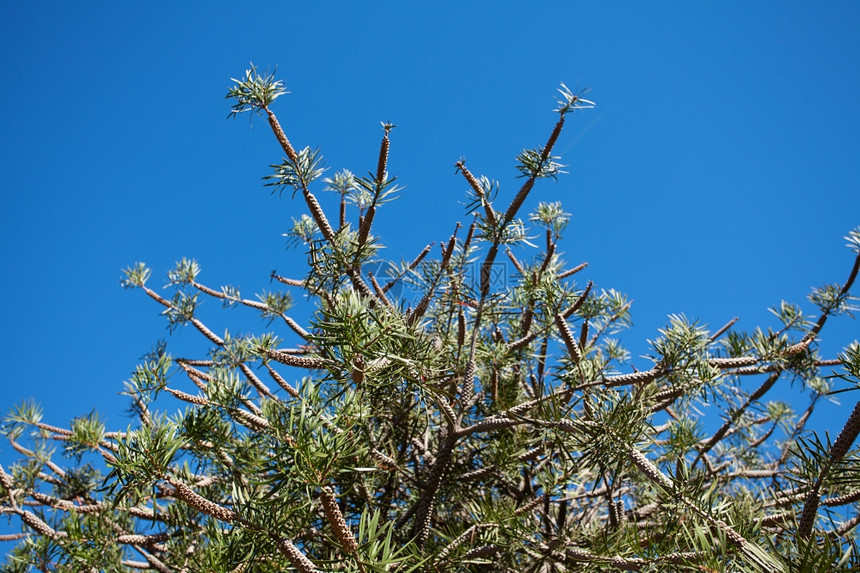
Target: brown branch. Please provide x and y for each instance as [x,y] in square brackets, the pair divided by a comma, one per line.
[720,433]
[824,315]
[424,303]
[838,449]
[723,329]
[281,136]
[286,281]
[579,301]
[297,361]
[258,384]
[572,345]
[479,191]
[282,382]
[411,266]
[572,271]
[637,563]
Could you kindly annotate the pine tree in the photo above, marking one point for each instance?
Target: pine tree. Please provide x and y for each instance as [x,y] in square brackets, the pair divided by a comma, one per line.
[476,427]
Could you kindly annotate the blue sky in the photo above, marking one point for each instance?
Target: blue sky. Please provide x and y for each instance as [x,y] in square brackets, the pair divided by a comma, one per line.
[716,176]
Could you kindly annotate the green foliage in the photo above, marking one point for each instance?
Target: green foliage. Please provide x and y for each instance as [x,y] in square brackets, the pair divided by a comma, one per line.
[296,174]
[255,92]
[446,416]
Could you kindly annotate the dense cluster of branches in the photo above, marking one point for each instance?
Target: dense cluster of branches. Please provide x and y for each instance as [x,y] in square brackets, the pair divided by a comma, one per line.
[477,427]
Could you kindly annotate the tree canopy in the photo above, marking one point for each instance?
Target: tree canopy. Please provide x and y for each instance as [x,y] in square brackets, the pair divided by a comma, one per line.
[481,425]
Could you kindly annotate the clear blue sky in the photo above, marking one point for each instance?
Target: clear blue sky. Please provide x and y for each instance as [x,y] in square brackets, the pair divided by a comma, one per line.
[717,175]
